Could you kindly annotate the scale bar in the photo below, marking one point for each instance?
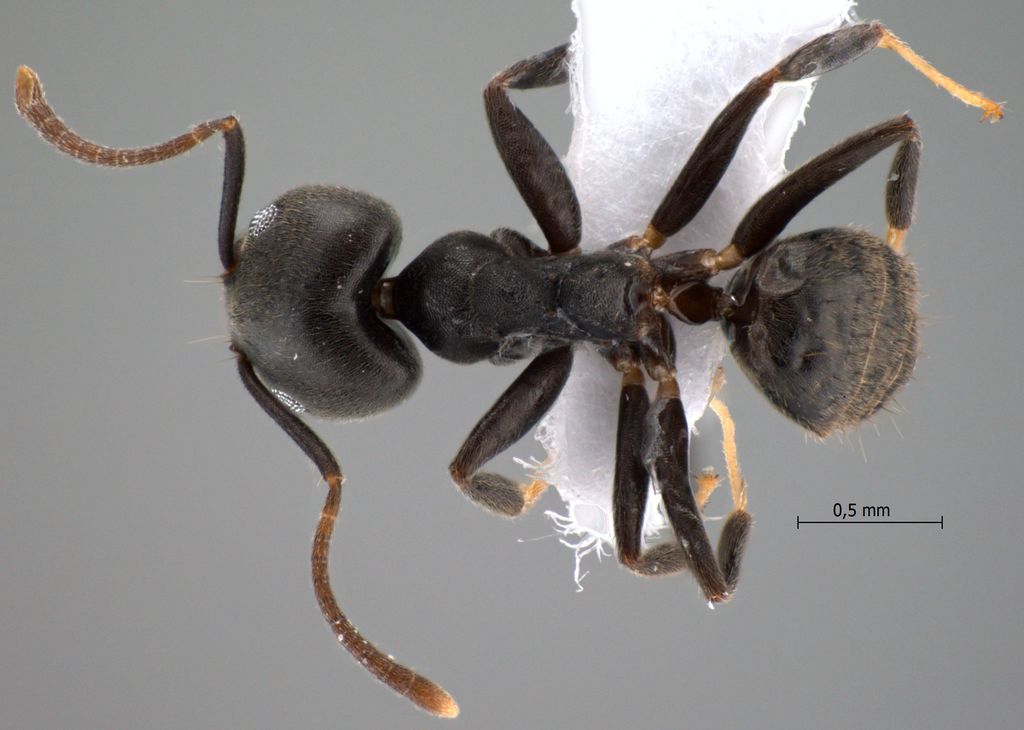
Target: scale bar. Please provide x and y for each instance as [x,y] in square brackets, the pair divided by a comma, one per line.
[940,522]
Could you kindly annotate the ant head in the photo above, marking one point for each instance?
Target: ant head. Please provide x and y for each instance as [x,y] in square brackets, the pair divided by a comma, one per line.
[299,303]
[826,326]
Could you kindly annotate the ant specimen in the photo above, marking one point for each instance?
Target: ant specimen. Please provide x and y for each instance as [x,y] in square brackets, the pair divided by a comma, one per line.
[823,322]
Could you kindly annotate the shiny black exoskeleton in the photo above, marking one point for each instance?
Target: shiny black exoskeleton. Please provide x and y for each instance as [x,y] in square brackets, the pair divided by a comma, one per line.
[303,312]
[824,322]
[501,299]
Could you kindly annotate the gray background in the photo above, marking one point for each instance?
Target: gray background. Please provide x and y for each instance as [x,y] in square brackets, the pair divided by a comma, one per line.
[155,526]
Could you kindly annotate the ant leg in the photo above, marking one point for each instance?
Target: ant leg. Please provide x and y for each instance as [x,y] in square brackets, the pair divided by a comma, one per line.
[731,544]
[516,411]
[534,167]
[629,492]
[991,110]
[900,190]
[733,539]
[629,496]
[709,161]
[32,105]
[420,690]
[772,212]
[668,464]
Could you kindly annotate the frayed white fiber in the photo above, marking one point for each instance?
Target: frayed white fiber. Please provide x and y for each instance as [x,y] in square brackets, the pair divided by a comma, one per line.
[648,76]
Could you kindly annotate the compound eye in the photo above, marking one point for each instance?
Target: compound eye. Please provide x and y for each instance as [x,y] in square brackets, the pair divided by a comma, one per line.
[261,221]
[827,326]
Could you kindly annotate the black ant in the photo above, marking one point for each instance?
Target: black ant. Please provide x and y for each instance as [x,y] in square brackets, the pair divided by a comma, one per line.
[824,322]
